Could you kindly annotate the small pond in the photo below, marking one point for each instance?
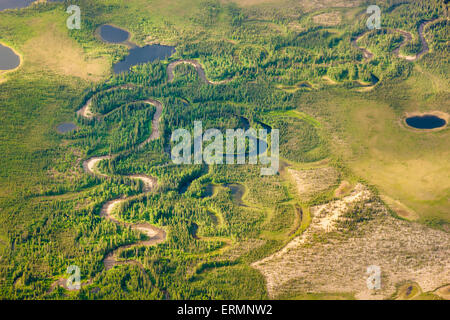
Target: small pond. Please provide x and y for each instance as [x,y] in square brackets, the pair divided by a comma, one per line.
[427,121]
[209,191]
[8,58]
[113,34]
[237,192]
[304,85]
[66,127]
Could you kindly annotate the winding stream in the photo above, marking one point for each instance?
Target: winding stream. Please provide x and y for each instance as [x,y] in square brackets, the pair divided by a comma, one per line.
[155,235]
[197,66]
[407,38]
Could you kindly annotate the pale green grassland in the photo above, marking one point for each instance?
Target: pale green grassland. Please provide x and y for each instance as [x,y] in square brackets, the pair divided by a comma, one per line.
[406,165]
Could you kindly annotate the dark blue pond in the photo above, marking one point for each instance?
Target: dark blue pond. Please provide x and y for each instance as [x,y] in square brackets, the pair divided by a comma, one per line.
[8,59]
[112,34]
[425,122]
[140,55]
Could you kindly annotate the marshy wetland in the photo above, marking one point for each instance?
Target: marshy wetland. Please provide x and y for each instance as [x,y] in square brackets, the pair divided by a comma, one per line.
[86,177]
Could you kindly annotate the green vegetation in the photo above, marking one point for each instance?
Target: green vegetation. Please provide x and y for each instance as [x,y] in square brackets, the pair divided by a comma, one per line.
[50,207]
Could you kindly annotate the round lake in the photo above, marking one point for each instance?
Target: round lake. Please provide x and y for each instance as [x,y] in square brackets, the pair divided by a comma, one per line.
[425,122]
[8,58]
[113,34]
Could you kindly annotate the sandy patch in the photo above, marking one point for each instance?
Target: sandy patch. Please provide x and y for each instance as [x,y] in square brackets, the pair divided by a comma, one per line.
[328,19]
[305,4]
[444,292]
[90,165]
[328,258]
[327,215]
[329,80]
[366,86]
[108,209]
[155,122]
[313,181]
[343,189]
[310,5]
[365,89]
[150,183]
[85,111]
